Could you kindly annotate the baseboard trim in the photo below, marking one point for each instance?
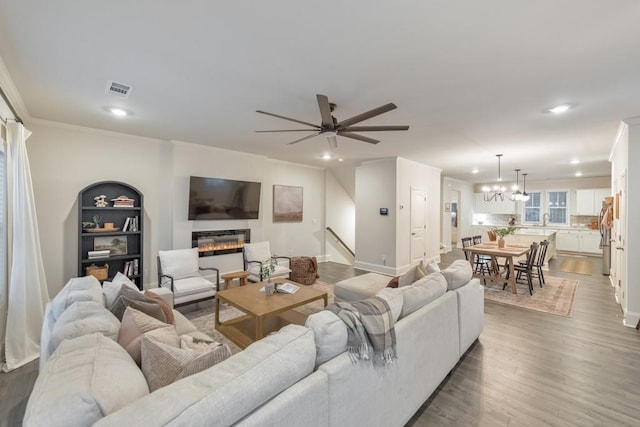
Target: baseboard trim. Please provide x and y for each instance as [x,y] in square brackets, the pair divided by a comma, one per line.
[388,270]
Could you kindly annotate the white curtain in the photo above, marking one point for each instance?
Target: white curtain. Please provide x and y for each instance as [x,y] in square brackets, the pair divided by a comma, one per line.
[26,294]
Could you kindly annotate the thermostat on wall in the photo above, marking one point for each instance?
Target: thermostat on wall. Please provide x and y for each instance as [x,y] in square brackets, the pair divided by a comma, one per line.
[384,211]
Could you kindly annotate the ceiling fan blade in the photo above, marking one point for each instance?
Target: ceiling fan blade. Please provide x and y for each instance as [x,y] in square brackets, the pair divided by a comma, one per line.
[306,137]
[288,118]
[325,111]
[283,130]
[333,142]
[358,137]
[373,128]
[364,116]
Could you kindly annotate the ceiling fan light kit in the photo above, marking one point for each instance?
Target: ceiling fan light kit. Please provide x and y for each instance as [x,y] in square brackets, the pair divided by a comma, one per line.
[330,127]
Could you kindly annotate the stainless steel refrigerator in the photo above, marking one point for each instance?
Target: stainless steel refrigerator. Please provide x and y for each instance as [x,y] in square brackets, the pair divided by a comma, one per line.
[605,236]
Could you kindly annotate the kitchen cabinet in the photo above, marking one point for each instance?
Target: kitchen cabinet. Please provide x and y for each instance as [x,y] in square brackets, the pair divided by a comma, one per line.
[582,241]
[589,201]
[500,207]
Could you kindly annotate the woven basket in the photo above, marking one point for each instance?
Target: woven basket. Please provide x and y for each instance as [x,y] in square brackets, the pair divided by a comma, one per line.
[100,273]
[304,270]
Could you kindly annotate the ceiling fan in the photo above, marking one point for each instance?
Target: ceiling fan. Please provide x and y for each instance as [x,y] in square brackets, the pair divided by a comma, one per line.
[330,127]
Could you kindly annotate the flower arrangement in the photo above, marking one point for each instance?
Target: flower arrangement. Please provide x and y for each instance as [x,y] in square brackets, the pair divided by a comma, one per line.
[266,268]
[501,232]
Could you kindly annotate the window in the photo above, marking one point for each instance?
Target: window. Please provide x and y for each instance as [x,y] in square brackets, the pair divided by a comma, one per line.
[532,208]
[558,205]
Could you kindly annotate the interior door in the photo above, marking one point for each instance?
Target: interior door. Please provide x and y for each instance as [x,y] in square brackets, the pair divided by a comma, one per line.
[620,226]
[418,224]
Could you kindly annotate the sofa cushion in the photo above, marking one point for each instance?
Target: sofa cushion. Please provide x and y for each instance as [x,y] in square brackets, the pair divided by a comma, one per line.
[83,318]
[457,274]
[163,364]
[130,298]
[134,324]
[422,292]
[179,263]
[86,288]
[394,299]
[85,379]
[330,335]
[360,287]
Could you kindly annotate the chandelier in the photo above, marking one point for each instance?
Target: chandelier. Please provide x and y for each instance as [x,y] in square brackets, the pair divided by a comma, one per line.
[496,192]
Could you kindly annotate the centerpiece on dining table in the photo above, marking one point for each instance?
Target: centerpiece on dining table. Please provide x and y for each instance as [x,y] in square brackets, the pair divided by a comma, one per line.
[501,232]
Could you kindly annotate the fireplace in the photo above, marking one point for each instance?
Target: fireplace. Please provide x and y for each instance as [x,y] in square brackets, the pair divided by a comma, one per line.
[219,242]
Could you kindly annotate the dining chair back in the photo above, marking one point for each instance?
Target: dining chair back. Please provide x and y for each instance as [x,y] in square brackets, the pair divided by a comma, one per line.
[527,268]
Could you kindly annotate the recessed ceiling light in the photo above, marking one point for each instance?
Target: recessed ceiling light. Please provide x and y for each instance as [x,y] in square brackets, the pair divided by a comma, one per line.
[575,161]
[341,160]
[558,109]
[326,156]
[118,112]
[475,170]
[578,173]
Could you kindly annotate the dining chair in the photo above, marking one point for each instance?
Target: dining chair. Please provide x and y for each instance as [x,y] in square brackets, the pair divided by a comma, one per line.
[527,268]
[481,265]
[539,262]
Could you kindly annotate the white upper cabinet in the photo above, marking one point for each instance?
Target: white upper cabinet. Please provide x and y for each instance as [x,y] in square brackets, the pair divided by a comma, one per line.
[589,201]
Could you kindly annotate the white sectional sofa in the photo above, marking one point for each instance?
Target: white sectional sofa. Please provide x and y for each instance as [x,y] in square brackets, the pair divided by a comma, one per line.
[302,375]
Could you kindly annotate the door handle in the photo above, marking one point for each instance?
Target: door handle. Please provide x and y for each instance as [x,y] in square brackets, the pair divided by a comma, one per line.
[413,234]
[619,248]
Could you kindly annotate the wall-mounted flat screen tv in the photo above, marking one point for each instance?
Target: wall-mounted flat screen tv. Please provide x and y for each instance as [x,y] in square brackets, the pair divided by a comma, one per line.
[216,198]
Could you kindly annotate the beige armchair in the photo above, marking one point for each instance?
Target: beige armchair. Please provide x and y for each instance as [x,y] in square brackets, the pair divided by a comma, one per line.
[179,271]
[257,255]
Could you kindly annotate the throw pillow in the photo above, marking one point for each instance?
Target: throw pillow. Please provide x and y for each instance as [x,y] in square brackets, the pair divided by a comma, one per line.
[134,324]
[432,267]
[198,345]
[121,279]
[411,276]
[330,335]
[168,311]
[163,364]
[393,283]
[130,298]
[457,274]
[83,318]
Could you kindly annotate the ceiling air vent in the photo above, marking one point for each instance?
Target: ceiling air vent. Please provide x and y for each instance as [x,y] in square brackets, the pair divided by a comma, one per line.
[120,90]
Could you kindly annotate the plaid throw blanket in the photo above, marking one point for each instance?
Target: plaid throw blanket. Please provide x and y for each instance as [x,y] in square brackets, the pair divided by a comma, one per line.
[371,336]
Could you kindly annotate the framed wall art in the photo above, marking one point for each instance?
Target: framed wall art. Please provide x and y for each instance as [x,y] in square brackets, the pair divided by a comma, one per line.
[287,203]
[117,245]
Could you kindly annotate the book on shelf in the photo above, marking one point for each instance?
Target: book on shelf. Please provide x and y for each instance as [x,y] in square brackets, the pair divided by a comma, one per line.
[136,267]
[98,254]
[127,266]
[134,224]
[126,224]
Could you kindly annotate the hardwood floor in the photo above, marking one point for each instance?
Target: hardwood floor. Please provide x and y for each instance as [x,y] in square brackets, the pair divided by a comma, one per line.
[527,368]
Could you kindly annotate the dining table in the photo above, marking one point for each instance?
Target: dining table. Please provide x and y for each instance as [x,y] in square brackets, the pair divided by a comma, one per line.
[492,250]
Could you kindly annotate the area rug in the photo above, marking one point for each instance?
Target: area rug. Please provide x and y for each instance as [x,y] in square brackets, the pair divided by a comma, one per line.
[555,297]
[576,265]
[203,317]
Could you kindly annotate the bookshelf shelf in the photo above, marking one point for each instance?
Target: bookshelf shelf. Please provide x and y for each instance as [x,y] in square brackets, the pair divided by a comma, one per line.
[126,245]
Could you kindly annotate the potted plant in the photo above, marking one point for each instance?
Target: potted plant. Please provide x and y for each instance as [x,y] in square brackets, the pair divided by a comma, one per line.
[501,232]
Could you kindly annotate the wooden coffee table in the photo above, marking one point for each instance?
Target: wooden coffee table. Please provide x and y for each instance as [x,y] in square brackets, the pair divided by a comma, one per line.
[264,313]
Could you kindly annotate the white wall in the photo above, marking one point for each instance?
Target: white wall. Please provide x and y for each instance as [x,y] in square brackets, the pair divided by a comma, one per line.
[340,213]
[65,159]
[465,210]
[413,174]
[383,243]
[376,234]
